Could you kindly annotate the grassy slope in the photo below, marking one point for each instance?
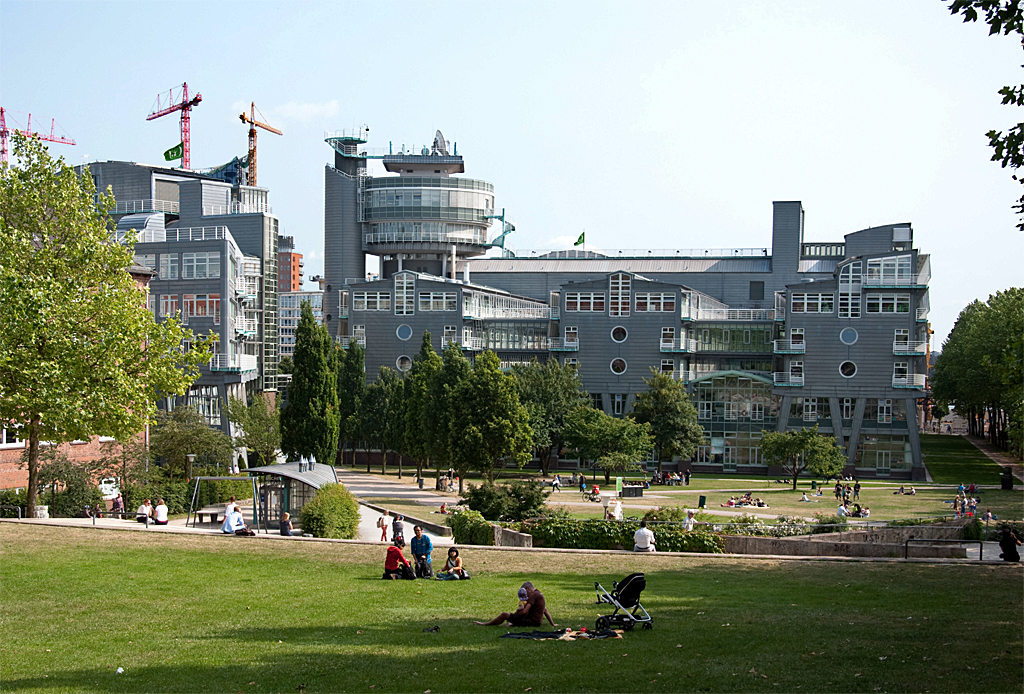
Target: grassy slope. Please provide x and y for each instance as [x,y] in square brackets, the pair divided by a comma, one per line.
[954,460]
[213,614]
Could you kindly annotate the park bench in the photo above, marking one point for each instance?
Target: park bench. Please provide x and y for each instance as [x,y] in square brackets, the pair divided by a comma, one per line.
[214,512]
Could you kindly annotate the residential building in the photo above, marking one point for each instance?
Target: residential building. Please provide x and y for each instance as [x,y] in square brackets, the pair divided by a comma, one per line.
[289,309]
[289,266]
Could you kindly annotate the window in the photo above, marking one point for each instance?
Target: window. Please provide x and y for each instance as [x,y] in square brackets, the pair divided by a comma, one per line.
[151,302]
[207,402]
[901,337]
[598,400]
[572,334]
[756,291]
[195,305]
[584,301]
[848,407]
[403,332]
[812,303]
[619,334]
[168,266]
[438,301]
[9,437]
[704,410]
[618,295]
[810,409]
[893,270]
[668,366]
[847,369]
[888,303]
[200,265]
[900,370]
[884,411]
[405,290]
[571,361]
[146,260]
[796,336]
[618,366]
[371,301]
[705,336]
[731,411]
[213,308]
[725,336]
[359,332]
[168,304]
[796,368]
[848,336]
[757,412]
[652,303]
[668,336]
[403,364]
[618,403]
[746,337]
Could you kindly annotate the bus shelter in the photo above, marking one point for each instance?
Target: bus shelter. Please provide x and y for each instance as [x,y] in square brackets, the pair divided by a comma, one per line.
[288,487]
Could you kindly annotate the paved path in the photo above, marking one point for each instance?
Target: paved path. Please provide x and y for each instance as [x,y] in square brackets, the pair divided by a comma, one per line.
[998,456]
[364,485]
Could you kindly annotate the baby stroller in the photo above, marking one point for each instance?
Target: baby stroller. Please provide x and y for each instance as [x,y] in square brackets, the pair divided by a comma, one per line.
[625,596]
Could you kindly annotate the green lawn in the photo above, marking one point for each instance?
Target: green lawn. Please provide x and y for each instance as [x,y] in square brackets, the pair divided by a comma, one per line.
[227,614]
[955,460]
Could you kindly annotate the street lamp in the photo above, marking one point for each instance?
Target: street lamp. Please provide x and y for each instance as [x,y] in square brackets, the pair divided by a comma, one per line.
[191,458]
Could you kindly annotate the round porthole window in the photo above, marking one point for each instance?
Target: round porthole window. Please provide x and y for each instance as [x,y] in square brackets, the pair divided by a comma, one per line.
[847,336]
[404,332]
[618,366]
[403,363]
[847,369]
[619,333]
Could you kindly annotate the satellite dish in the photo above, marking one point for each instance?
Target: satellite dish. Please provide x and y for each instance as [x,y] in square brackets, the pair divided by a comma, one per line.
[440,146]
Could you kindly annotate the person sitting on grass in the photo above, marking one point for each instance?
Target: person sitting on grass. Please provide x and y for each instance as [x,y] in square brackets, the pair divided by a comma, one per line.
[529,614]
[1008,542]
[912,491]
[396,566]
[160,513]
[232,522]
[453,568]
[865,512]
[286,524]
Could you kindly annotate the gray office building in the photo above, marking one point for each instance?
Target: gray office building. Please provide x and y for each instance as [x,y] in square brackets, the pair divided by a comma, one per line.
[785,336]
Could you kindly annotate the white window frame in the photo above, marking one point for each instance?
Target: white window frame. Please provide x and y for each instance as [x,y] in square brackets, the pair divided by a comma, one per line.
[810,413]
[619,292]
[884,415]
[757,411]
[405,294]
[584,302]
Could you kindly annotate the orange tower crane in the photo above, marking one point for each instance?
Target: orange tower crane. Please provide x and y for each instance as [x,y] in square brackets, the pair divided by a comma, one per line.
[178,102]
[253,123]
[5,134]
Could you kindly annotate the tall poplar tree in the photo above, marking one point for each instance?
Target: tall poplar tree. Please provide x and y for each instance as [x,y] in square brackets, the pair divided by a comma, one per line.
[550,392]
[351,389]
[80,352]
[310,420]
[419,419]
[447,411]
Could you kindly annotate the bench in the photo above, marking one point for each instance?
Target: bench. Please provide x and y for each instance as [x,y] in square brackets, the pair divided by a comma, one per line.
[215,513]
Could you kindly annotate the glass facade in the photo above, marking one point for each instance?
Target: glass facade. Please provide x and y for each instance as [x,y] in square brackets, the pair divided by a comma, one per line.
[734,411]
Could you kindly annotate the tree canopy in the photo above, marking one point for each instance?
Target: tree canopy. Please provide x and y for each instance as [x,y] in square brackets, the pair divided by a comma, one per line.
[449,412]
[613,444]
[184,431]
[259,425]
[419,418]
[666,406]
[80,353]
[549,392]
[351,388]
[797,451]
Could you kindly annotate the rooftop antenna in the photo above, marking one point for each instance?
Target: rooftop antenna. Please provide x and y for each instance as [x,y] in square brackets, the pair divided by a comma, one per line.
[440,146]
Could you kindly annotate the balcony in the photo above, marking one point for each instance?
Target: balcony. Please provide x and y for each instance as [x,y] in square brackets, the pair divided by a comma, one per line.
[911,348]
[238,363]
[246,326]
[730,314]
[554,313]
[472,344]
[343,311]
[681,375]
[344,340]
[891,282]
[789,347]
[909,381]
[196,234]
[505,312]
[134,206]
[788,379]
[679,345]
[922,315]
[557,344]
[237,208]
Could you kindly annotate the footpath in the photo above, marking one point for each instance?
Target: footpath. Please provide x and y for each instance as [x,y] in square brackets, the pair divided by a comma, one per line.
[998,456]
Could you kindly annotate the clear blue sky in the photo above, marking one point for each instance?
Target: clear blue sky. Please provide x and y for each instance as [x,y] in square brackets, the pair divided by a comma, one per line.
[650,125]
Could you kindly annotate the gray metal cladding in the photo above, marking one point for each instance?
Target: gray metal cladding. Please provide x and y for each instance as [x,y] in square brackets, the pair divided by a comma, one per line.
[343,251]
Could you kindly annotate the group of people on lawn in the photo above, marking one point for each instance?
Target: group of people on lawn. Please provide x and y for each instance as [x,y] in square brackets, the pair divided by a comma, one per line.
[745,500]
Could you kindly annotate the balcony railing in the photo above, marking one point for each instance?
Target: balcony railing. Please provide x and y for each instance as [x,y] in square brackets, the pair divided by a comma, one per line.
[505,313]
[237,208]
[922,315]
[133,206]
[246,326]
[738,314]
[909,381]
[478,238]
[910,348]
[474,344]
[681,375]
[892,282]
[789,347]
[233,362]
[197,233]
[787,379]
[344,340]
[679,344]
[557,344]
[554,315]
[343,311]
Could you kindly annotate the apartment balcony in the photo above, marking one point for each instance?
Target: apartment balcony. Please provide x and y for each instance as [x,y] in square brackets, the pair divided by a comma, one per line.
[246,326]
[343,311]
[681,375]
[344,340]
[471,344]
[237,208]
[135,206]
[922,315]
[789,347]
[890,282]
[554,313]
[237,363]
[680,345]
[788,379]
[909,381]
[506,313]
[911,348]
[730,314]
[557,344]
[196,234]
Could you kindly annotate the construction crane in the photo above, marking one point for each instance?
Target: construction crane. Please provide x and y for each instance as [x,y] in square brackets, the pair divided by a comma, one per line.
[182,103]
[253,123]
[5,134]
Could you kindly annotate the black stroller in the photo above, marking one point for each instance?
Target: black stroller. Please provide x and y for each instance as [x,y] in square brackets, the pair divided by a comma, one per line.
[625,596]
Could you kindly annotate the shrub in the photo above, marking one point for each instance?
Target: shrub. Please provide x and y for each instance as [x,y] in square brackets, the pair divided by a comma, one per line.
[515,501]
[971,530]
[177,495]
[823,522]
[9,497]
[785,526]
[333,512]
[575,533]
[71,501]
[665,513]
[470,528]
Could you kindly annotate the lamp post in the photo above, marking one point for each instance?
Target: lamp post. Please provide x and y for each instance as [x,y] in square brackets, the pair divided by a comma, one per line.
[191,458]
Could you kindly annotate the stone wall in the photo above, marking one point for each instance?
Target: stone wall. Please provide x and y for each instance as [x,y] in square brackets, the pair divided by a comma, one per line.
[803,547]
[503,537]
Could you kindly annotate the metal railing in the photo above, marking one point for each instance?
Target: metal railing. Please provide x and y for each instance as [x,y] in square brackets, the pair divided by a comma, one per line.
[910,347]
[727,314]
[197,233]
[471,343]
[789,346]
[653,253]
[476,238]
[238,208]
[535,312]
[901,281]
[344,340]
[133,206]
[554,315]
[684,376]
[233,362]
[679,344]
[557,344]
[922,314]
[246,325]
[909,381]
[787,379]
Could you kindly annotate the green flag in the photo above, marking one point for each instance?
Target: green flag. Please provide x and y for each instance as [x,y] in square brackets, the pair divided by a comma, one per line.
[579,241]
[175,152]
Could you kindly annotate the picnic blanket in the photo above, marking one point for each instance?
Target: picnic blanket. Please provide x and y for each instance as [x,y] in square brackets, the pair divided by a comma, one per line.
[564,635]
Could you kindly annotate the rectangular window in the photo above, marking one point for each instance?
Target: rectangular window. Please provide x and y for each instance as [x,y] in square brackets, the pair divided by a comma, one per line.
[371,301]
[746,337]
[756,291]
[725,336]
[668,366]
[168,304]
[598,400]
[146,260]
[152,304]
[168,266]
[810,409]
[213,308]
[584,301]
[619,403]
[901,337]
[206,401]
[848,406]
[884,411]
[200,265]
[405,292]
[796,368]
[668,336]
[619,286]
[572,334]
[900,370]
[731,411]
[888,303]
[796,336]
[647,302]
[704,410]
[705,336]
[571,361]
[892,270]
[757,412]
[438,301]
[451,333]
[849,304]
[812,303]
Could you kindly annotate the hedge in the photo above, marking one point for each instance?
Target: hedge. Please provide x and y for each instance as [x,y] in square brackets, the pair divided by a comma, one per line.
[575,533]
[470,528]
[333,512]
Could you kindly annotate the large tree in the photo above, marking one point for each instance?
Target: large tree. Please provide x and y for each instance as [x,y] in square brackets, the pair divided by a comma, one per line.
[1003,17]
[185,431]
[351,388]
[666,406]
[613,444]
[797,451]
[80,353]
[549,392]
[448,413]
[260,426]
[493,425]
[419,419]
[310,420]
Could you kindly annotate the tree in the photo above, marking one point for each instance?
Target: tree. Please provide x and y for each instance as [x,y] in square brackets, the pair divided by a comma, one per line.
[607,440]
[351,388]
[285,366]
[666,406]
[419,419]
[128,461]
[310,420]
[493,425]
[394,417]
[447,412]
[260,426]
[1005,18]
[371,419]
[549,392]
[796,451]
[184,431]
[80,353]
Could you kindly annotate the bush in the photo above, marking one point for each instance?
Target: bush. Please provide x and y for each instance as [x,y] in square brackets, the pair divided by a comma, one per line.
[333,512]
[995,530]
[515,501]
[822,523]
[971,530]
[785,526]
[575,533]
[71,501]
[9,497]
[665,513]
[177,495]
[470,528]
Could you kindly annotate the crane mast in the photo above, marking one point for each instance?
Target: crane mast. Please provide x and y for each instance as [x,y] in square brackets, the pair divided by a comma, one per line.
[253,124]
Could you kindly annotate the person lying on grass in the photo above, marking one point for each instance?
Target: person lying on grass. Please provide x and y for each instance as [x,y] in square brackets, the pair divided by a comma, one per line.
[528,614]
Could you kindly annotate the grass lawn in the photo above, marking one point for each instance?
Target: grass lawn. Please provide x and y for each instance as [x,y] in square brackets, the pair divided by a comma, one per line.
[955,460]
[227,614]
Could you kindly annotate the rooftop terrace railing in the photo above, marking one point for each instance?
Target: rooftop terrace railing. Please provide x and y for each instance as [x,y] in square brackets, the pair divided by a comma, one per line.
[598,254]
[135,206]
[197,233]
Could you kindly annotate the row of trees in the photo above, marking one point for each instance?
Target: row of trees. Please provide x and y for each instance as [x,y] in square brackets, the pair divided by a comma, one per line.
[980,371]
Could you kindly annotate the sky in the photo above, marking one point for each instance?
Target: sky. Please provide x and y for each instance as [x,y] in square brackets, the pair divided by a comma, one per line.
[649,125]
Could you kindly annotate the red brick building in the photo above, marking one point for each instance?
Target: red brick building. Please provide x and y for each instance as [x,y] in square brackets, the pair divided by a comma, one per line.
[289,265]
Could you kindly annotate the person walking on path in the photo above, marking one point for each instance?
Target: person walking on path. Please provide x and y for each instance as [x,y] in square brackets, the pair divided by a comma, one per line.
[556,483]
[382,523]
